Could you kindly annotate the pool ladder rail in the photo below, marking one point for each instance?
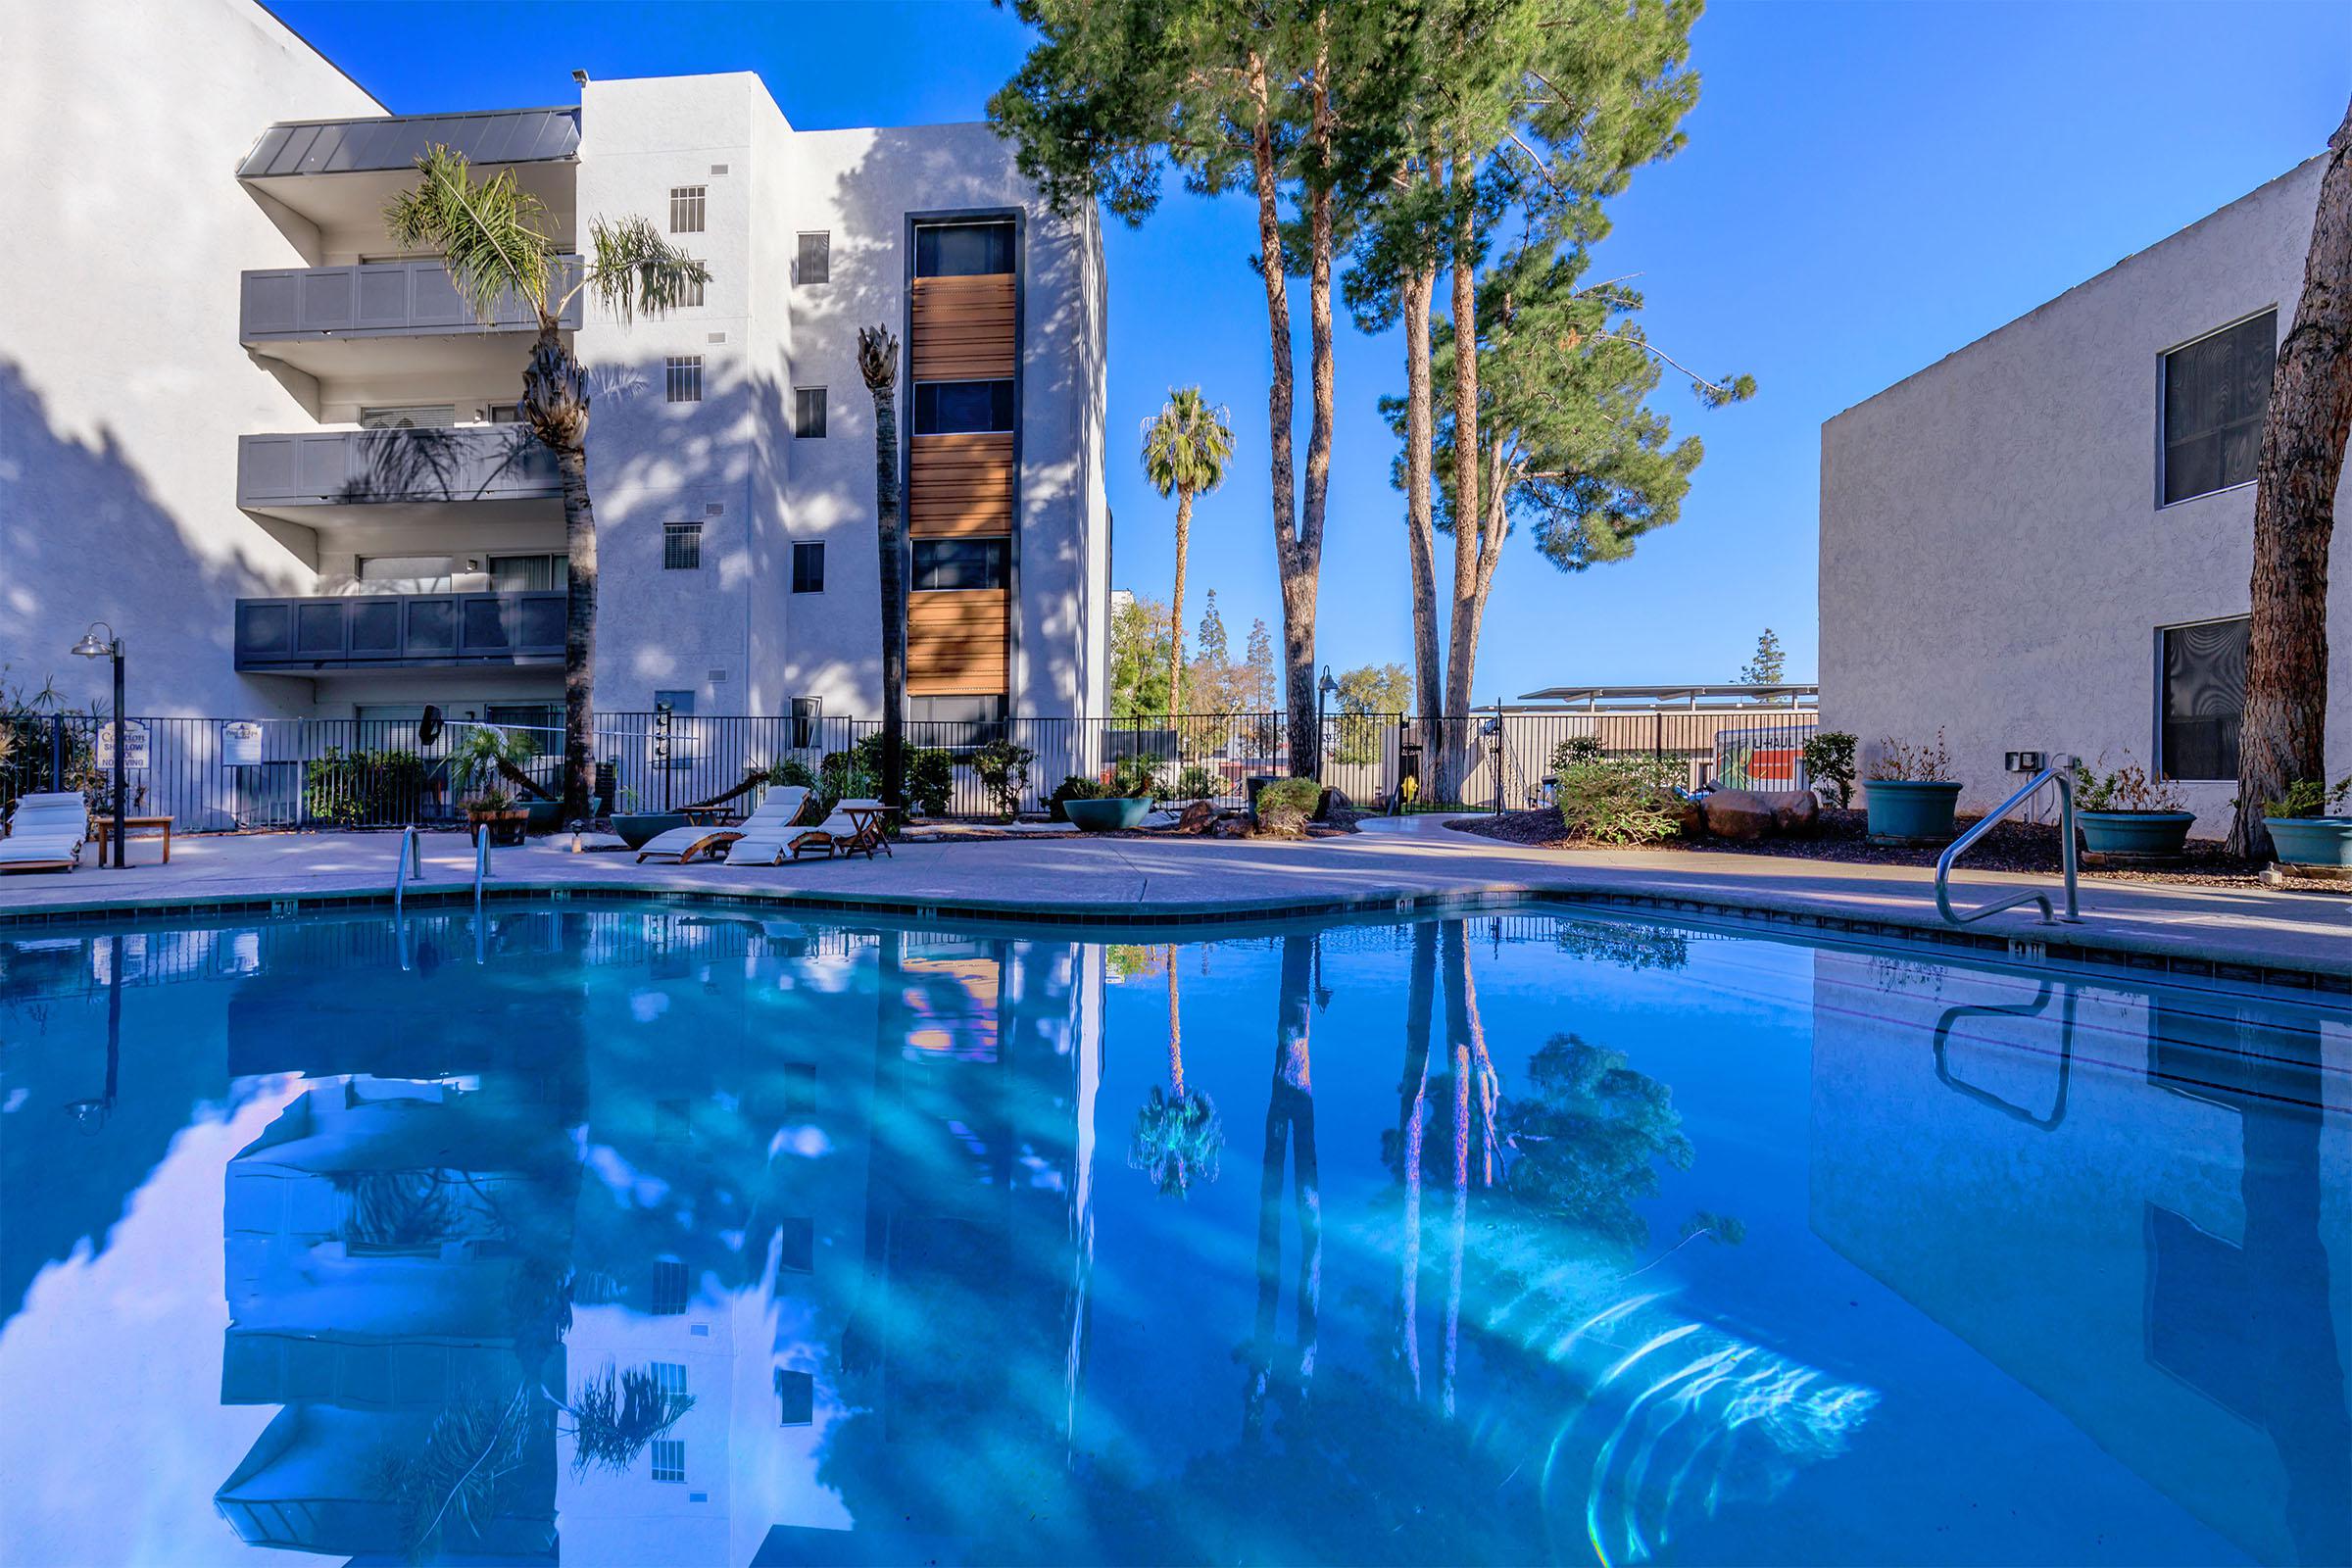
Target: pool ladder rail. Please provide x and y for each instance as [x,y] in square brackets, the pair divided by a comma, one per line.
[2060,773]
[412,864]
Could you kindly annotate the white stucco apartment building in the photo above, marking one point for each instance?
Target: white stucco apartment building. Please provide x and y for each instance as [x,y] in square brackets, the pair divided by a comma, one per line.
[278,456]
[2043,541]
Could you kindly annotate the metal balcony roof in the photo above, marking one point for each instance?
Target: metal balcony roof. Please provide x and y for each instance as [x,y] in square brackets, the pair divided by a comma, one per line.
[393,142]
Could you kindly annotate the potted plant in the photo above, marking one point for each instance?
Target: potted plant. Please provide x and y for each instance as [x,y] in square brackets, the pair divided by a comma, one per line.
[636,828]
[2129,811]
[1911,793]
[1121,800]
[478,763]
[2303,830]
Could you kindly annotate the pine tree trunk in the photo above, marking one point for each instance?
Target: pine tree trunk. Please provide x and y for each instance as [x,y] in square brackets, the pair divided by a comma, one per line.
[1305,571]
[1298,656]
[1462,638]
[1420,475]
[2285,733]
[889,540]
[579,635]
[1184,531]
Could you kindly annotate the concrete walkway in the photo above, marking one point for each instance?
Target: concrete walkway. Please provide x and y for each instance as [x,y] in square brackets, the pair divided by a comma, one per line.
[1145,881]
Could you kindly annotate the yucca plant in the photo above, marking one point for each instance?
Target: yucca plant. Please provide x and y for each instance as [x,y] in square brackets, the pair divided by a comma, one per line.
[498,242]
[1186,446]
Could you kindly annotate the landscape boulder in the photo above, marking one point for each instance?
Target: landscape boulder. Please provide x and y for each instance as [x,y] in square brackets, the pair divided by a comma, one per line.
[1196,817]
[1742,816]
[1795,814]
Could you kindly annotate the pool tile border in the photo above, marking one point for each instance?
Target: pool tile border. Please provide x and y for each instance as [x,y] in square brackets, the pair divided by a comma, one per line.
[2055,947]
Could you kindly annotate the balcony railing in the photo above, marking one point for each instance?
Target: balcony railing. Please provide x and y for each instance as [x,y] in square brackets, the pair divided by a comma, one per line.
[453,463]
[394,631]
[373,299]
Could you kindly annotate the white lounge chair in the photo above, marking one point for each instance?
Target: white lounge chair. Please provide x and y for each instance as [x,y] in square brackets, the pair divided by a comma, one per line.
[841,834]
[45,833]
[683,844]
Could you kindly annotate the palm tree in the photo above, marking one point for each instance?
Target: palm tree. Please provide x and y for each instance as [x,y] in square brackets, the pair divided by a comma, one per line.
[1186,446]
[878,364]
[498,242]
[1177,1135]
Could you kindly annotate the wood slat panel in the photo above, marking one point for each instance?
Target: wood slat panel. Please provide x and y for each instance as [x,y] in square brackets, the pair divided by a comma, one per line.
[962,329]
[959,484]
[956,642]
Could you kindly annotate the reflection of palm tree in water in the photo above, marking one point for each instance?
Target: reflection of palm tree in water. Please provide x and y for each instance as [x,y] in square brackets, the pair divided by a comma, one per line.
[1177,1135]
[1291,1130]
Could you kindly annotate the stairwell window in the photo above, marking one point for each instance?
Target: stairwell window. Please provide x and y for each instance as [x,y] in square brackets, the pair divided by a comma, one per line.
[685,374]
[686,209]
[669,1460]
[808,412]
[681,547]
[945,565]
[963,408]
[814,263]
[963,250]
[2216,392]
[808,569]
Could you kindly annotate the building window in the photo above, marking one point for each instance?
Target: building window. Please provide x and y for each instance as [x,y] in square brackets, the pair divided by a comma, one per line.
[2216,391]
[529,573]
[686,209]
[670,1288]
[814,263]
[409,417]
[796,1398]
[809,411]
[809,569]
[685,379]
[805,709]
[971,710]
[963,250]
[669,1460]
[669,1380]
[692,293]
[2204,699]
[963,408]
[681,547]
[942,564]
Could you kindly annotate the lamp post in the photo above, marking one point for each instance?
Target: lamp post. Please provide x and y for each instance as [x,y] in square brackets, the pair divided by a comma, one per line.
[1324,690]
[110,647]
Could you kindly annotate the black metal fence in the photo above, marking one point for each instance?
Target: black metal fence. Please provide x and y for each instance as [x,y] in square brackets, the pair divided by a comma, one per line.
[212,774]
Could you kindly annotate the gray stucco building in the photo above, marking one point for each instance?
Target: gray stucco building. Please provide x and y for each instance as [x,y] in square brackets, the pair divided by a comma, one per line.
[278,454]
[2043,541]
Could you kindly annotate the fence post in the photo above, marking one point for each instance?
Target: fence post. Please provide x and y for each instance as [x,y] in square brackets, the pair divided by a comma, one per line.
[57,752]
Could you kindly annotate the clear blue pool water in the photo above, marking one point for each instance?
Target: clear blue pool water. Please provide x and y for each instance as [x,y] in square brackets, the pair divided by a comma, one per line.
[647,1236]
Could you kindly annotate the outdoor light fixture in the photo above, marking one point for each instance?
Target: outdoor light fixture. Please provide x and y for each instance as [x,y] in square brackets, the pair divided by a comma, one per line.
[92,646]
[1324,688]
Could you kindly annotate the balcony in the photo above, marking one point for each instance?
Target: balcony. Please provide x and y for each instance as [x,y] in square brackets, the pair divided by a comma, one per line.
[400,631]
[496,473]
[336,174]
[384,318]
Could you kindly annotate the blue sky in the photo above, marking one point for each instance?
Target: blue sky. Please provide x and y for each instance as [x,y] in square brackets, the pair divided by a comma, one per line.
[1867,188]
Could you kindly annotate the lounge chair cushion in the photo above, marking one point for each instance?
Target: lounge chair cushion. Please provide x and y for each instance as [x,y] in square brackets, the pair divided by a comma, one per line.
[684,843]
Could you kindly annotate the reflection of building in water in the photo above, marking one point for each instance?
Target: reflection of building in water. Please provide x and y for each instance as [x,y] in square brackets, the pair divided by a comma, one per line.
[2133,1216]
[794,1175]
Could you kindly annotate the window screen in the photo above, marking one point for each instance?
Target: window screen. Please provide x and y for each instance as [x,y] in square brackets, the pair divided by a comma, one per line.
[2216,391]
[955,408]
[808,569]
[963,250]
[2204,699]
[950,563]
[681,546]
[816,260]
[686,209]
[809,411]
[685,379]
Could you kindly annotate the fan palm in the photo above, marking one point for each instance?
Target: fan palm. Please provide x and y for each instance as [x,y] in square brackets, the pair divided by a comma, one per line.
[1177,1135]
[878,366]
[1186,447]
[498,242]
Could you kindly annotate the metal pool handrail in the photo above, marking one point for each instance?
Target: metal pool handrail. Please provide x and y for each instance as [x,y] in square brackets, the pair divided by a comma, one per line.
[2060,773]
[482,864]
[412,863]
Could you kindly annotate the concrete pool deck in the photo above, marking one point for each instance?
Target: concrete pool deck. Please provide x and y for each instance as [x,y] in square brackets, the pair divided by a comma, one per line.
[1144,882]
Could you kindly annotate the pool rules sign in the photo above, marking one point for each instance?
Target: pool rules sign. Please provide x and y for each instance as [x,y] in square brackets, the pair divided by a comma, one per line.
[134,747]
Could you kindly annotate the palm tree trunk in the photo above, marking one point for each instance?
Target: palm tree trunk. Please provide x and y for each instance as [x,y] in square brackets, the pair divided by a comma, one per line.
[890,542]
[1175,1030]
[2285,733]
[579,634]
[1299,676]
[1184,532]
[1462,638]
[1420,475]
[1412,1098]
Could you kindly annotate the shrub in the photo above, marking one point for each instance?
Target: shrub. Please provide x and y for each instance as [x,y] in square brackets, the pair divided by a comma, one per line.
[1198,783]
[1624,800]
[1574,750]
[2129,787]
[791,773]
[845,776]
[1901,763]
[1829,763]
[1133,777]
[1004,771]
[2308,796]
[1076,787]
[360,789]
[930,779]
[1285,806]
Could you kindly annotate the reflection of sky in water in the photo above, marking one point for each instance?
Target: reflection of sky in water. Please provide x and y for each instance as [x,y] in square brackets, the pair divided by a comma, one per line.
[1486,1241]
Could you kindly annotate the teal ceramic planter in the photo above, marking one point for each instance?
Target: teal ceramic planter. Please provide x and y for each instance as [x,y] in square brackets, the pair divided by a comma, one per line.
[2142,833]
[1104,816]
[636,828]
[544,816]
[2312,840]
[1906,812]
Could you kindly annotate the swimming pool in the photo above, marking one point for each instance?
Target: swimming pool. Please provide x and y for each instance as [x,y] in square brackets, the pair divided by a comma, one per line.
[655,1235]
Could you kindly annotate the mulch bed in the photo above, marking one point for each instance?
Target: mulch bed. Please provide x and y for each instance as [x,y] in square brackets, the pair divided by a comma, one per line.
[1844,837]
